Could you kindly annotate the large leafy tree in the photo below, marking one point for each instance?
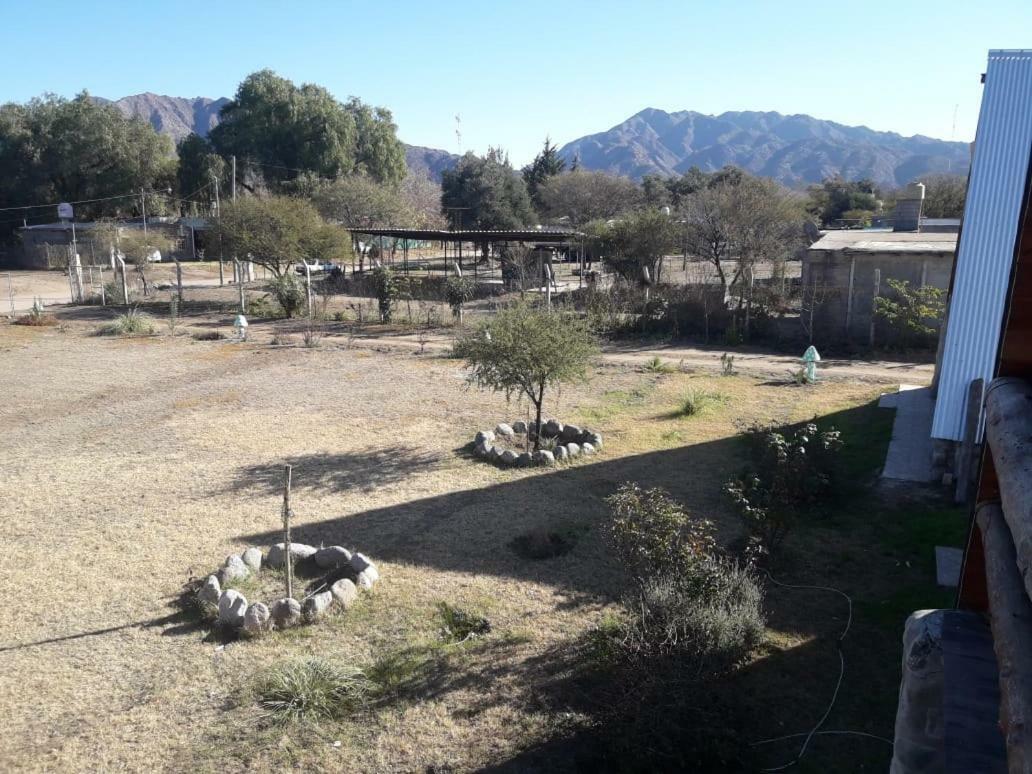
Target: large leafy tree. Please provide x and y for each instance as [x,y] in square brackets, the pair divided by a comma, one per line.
[583,196]
[547,164]
[740,223]
[524,350]
[944,196]
[54,149]
[199,167]
[639,241]
[486,193]
[278,231]
[835,197]
[289,130]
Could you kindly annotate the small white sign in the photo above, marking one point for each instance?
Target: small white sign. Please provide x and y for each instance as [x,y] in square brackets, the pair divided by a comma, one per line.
[64,211]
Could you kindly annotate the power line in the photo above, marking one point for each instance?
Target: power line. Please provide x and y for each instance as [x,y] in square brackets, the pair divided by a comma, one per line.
[82,201]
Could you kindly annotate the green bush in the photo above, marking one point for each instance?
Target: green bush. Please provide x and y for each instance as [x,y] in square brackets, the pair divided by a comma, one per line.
[290,293]
[260,306]
[696,401]
[458,291]
[113,293]
[458,625]
[791,472]
[656,365]
[132,323]
[387,291]
[911,315]
[312,689]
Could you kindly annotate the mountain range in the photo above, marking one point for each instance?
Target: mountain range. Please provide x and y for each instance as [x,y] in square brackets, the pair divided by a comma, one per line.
[795,150]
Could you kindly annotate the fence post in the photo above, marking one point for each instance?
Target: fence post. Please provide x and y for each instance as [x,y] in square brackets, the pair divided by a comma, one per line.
[10,291]
[287,475]
[874,302]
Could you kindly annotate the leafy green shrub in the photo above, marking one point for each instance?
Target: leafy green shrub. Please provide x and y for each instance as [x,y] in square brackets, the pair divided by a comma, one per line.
[458,625]
[260,306]
[132,323]
[911,315]
[458,291]
[656,365]
[311,689]
[712,626]
[696,401]
[791,472]
[691,602]
[113,293]
[387,291]
[290,293]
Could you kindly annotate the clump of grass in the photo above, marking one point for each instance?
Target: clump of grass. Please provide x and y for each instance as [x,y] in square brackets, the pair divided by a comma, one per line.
[696,401]
[36,320]
[131,323]
[211,335]
[312,689]
[543,544]
[458,625]
[656,365]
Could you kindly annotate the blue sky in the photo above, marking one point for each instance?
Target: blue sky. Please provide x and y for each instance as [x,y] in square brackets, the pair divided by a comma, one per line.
[517,71]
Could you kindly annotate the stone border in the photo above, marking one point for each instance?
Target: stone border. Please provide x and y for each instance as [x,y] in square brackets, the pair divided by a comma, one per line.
[571,441]
[354,570]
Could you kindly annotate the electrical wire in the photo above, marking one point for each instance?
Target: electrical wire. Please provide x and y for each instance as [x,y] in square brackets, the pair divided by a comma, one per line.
[825,733]
[838,683]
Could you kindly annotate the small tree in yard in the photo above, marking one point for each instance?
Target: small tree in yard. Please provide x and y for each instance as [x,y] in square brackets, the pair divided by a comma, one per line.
[524,350]
[139,249]
[458,291]
[387,291]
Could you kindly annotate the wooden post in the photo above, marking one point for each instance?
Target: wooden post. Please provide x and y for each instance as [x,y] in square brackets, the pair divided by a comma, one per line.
[10,291]
[179,280]
[874,303]
[287,475]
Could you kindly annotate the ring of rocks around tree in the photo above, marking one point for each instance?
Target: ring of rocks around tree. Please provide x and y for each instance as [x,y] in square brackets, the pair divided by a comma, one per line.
[341,574]
[503,445]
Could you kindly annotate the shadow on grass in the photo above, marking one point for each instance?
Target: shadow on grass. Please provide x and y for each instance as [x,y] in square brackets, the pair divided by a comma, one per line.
[362,471]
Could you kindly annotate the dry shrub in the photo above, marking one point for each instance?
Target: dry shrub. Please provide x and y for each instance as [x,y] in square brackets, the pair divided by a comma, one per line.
[312,689]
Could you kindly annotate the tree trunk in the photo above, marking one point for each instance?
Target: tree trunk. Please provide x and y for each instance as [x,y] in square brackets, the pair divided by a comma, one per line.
[537,404]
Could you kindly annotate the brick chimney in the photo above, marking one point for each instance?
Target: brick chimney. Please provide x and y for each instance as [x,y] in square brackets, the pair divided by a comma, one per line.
[908,208]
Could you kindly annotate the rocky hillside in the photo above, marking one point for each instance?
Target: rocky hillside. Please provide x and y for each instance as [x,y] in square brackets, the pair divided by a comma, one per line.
[174,116]
[794,150]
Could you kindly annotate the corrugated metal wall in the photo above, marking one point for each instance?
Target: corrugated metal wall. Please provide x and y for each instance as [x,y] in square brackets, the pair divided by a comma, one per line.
[996,189]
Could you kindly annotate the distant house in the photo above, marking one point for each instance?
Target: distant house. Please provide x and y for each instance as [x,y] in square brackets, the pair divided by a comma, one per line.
[48,245]
[844,270]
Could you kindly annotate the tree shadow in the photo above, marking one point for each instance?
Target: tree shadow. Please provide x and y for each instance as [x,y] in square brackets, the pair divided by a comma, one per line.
[349,471]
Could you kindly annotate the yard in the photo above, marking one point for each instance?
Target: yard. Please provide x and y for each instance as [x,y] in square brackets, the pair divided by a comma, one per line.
[133,465]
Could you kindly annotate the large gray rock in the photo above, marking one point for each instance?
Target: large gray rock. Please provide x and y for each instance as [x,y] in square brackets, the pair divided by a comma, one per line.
[524,460]
[256,620]
[361,563]
[481,449]
[519,427]
[552,428]
[298,553]
[573,449]
[587,449]
[504,430]
[210,591]
[507,457]
[331,557]
[590,436]
[570,433]
[367,578]
[344,592]
[544,457]
[232,606]
[234,569]
[315,606]
[484,436]
[561,454]
[285,613]
[252,558]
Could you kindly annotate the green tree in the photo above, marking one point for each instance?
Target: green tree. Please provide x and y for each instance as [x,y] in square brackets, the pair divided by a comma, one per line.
[944,196]
[359,201]
[639,241]
[547,164]
[199,166]
[290,130]
[278,232]
[583,196]
[490,193]
[913,315]
[55,149]
[524,350]
[833,198]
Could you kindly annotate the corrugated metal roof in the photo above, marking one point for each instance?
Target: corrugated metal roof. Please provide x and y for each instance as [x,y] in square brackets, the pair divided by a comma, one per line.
[996,187]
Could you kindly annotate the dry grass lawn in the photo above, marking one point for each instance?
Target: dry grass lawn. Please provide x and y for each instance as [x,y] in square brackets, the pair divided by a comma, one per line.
[130,467]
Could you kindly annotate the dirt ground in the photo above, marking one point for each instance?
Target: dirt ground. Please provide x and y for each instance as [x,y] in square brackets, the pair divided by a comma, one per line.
[131,466]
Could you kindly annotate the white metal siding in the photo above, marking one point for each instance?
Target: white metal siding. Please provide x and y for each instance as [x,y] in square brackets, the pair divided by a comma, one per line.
[996,189]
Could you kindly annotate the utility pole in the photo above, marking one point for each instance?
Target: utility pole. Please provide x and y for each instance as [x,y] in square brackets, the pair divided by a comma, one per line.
[218,216]
[143,208]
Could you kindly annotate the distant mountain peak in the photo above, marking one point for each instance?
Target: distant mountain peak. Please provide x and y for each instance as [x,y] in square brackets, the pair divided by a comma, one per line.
[794,149]
[175,116]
